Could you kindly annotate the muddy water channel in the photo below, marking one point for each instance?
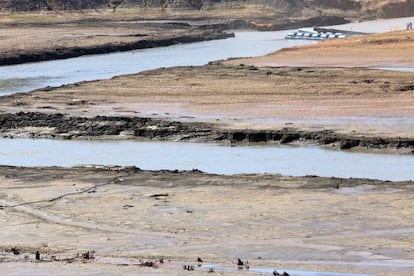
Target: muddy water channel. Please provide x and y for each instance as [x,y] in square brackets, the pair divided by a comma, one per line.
[26,77]
[296,161]
[211,158]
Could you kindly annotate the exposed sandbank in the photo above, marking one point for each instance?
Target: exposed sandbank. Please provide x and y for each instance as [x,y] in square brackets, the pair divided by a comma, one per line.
[312,223]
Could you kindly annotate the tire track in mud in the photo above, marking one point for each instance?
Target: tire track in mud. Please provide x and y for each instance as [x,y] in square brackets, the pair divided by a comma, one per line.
[49,218]
[23,207]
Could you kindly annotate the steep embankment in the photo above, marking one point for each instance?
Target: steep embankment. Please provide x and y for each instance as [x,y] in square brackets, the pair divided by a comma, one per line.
[59,41]
[308,8]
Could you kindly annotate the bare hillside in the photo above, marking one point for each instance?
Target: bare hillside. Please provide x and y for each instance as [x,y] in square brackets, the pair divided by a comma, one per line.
[349,8]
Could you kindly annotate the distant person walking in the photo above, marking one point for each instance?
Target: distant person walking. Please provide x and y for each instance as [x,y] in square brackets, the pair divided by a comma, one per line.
[409,26]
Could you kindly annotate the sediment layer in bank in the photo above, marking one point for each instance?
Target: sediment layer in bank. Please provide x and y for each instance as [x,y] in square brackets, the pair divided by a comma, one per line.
[61,42]
[357,107]
[59,126]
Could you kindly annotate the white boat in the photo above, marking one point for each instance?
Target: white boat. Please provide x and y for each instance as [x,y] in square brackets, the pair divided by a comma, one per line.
[312,35]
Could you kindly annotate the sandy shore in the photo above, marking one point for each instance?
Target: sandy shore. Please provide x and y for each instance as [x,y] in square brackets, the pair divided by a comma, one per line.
[392,49]
[128,216]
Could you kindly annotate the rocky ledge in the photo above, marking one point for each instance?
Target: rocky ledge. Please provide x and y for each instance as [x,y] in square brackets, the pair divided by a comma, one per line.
[59,126]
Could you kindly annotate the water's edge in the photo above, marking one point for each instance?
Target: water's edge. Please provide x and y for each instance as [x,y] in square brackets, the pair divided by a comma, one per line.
[211,158]
[65,53]
[59,126]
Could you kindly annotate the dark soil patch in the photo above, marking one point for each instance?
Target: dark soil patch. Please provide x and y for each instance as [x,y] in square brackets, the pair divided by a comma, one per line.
[158,129]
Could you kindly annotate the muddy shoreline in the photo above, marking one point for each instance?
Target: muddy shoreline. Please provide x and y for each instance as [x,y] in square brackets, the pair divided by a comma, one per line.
[63,53]
[35,41]
[222,103]
[59,126]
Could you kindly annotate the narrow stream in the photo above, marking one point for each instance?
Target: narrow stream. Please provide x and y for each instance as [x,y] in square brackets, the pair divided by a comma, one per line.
[211,158]
[30,76]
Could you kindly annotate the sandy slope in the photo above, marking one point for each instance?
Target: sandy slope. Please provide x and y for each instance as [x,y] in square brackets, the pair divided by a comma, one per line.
[385,49]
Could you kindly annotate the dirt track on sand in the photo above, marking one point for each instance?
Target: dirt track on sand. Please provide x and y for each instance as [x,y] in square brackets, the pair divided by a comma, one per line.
[128,216]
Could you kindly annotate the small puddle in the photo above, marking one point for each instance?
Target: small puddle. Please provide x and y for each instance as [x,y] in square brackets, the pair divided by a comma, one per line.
[218,268]
[365,189]
[291,272]
[396,68]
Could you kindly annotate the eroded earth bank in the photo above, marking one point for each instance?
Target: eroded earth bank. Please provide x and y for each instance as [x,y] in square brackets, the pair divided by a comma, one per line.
[358,108]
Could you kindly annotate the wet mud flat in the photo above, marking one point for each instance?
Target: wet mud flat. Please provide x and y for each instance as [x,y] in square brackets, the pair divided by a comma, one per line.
[358,108]
[107,219]
[59,126]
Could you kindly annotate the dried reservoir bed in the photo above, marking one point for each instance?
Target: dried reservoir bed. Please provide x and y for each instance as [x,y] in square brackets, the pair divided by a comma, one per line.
[128,216]
[132,219]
